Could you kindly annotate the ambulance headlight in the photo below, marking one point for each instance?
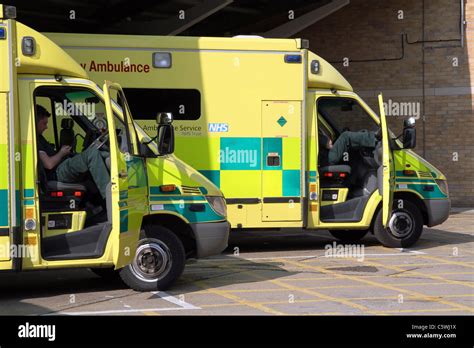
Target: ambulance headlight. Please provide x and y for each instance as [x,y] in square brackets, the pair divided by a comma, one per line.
[28,46]
[218,204]
[443,186]
[162,60]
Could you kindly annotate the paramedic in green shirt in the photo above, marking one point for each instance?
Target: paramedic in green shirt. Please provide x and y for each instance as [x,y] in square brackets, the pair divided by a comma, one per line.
[73,169]
[332,154]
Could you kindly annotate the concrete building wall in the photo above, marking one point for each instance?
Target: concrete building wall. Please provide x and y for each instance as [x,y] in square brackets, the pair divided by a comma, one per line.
[371,30]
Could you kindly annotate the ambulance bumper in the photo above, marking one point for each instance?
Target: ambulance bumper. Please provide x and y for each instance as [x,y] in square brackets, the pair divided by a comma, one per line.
[211,238]
[438,211]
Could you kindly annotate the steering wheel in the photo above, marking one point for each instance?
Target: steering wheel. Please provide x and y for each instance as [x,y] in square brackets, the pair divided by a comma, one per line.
[100,141]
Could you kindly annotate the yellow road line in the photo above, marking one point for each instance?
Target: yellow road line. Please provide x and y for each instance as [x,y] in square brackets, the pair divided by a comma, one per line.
[444,261]
[417,264]
[310,292]
[384,286]
[424,275]
[237,299]
[398,265]
[150,313]
[408,298]
[332,287]
[440,274]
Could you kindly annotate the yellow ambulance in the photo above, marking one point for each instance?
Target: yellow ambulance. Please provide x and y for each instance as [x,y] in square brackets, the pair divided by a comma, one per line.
[154,210]
[250,115]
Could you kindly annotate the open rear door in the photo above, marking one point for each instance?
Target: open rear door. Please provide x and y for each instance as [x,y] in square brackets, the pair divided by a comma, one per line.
[128,178]
[387,194]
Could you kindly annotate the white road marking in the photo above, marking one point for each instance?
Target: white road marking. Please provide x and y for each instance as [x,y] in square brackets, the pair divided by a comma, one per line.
[167,297]
[122,311]
[182,305]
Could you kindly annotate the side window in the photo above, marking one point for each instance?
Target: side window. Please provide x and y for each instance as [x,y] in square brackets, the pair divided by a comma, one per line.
[146,103]
[126,136]
[345,114]
[77,115]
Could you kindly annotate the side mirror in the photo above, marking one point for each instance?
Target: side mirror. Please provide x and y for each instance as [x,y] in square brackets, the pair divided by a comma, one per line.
[165,132]
[409,133]
[165,139]
[164,118]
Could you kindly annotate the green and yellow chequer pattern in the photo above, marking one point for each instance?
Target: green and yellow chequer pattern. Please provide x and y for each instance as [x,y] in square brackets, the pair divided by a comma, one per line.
[238,166]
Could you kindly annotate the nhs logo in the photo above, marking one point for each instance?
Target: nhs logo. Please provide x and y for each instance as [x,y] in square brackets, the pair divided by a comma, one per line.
[217,127]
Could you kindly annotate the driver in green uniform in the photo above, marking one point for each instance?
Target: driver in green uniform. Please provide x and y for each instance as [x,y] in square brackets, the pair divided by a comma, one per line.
[73,169]
[333,153]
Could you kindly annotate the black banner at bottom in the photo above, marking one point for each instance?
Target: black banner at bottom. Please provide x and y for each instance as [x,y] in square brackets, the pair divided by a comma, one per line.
[224,331]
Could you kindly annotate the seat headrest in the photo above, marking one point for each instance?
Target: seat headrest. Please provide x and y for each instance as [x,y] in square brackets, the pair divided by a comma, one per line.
[67,123]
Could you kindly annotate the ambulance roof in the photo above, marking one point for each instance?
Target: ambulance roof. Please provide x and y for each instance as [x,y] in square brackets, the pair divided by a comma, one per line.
[328,76]
[49,59]
[249,43]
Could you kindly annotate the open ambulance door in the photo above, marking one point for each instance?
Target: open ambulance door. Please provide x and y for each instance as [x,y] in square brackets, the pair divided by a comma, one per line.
[128,179]
[387,163]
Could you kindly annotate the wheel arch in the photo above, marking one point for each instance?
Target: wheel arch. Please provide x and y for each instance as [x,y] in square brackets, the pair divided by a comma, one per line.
[415,199]
[178,226]
[409,196]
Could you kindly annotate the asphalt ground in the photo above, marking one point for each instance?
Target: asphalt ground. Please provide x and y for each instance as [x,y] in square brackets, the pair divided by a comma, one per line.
[278,273]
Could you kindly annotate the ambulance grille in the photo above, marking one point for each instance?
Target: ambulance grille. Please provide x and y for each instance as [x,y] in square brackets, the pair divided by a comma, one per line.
[426,175]
[190,190]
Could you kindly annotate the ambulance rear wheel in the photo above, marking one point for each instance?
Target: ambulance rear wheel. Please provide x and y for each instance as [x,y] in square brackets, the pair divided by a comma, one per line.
[404,228]
[349,236]
[159,260]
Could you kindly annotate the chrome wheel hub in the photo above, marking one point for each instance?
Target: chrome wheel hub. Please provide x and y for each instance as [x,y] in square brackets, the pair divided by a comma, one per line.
[152,261]
[401,224]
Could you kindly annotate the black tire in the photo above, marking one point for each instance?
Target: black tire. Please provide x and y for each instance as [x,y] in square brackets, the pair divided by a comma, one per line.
[349,236]
[159,260]
[106,273]
[410,226]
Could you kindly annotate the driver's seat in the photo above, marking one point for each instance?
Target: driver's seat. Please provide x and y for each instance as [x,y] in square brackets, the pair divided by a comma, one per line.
[66,136]
[57,196]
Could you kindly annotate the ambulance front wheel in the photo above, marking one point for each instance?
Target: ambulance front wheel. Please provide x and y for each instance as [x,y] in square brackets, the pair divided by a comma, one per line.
[159,260]
[404,228]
